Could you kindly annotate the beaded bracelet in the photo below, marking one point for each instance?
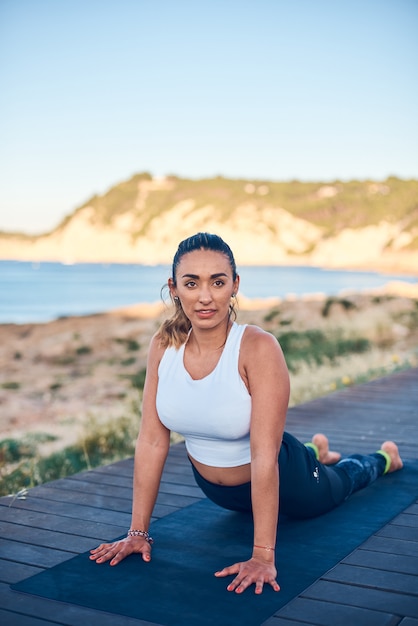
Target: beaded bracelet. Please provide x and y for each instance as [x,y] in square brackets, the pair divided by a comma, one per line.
[141,533]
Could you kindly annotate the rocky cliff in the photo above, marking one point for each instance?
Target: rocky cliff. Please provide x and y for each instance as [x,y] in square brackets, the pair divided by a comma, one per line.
[363,225]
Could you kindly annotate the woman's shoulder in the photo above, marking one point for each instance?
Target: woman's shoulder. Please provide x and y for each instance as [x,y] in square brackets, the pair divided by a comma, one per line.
[155,350]
[254,332]
[255,338]
[260,350]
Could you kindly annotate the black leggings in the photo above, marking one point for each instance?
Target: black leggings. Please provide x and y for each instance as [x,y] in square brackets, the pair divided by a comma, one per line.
[307,487]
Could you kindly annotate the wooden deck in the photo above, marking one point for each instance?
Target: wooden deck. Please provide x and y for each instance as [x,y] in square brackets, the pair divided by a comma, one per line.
[375,585]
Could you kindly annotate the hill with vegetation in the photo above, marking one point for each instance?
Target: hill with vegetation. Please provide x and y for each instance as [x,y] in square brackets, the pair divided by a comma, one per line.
[363,224]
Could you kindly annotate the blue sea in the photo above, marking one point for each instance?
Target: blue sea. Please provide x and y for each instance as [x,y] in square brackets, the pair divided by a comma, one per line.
[41,292]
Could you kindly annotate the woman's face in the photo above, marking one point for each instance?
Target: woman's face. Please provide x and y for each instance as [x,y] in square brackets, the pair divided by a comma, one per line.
[204,286]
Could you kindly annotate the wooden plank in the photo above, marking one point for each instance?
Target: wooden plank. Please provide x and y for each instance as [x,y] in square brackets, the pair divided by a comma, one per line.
[166,495]
[384,416]
[35,520]
[91,482]
[83,486]
[30,554]
[47,538]
[97,501]
[68,510]
[373,578]
[12,572]
[391,546]
[362,597]
[404,564]
[394,531]
[120,468]
[178,477]
[100,478]
[316,612]
[192,491]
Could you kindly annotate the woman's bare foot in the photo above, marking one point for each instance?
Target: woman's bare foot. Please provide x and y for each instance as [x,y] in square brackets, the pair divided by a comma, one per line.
[395,460]
[326,456]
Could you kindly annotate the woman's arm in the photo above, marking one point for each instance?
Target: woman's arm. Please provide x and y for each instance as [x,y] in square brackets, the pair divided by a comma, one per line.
[269,387]
[150,455]
[151,448]
[267,379]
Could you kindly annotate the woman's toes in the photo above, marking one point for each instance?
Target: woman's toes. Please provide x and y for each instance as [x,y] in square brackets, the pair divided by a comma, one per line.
[326,456]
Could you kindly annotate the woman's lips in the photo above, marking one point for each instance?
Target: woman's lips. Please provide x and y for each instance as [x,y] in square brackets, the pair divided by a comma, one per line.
[206,312]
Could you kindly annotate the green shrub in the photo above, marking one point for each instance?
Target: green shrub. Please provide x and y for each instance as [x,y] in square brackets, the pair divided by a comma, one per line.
[103,443]
[11,384]
[13,450]
[346,304]
[83,350]
[130,361]
[387,297]
[63,359]
[315,347]
[138,379]
[271,315]
[131,344]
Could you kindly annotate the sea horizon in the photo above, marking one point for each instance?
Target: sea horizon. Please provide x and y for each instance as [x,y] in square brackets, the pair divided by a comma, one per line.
[38,292]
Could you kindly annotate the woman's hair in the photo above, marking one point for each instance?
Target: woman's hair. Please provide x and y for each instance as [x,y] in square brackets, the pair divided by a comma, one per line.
[175,329]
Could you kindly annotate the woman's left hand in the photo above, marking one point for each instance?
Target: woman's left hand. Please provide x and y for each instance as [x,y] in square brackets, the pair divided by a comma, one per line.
[254,571]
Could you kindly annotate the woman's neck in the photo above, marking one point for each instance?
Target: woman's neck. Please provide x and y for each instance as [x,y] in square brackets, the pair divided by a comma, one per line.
[204,341]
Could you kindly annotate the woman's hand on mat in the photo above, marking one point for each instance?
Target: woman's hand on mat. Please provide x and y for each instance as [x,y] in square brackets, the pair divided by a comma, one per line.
[118,550]
[255,571]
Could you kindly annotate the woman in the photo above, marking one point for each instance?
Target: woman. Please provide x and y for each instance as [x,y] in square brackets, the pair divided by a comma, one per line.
[225,387]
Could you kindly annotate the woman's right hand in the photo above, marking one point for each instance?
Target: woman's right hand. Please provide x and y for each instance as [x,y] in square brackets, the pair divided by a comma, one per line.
[118,550]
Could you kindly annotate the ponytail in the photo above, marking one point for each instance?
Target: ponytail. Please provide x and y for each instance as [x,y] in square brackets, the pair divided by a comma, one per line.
[174,330]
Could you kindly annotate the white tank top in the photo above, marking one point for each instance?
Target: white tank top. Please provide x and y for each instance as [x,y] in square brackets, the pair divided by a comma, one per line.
[213,414]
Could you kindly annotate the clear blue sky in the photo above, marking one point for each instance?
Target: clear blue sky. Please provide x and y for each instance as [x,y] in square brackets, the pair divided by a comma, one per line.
[94,91]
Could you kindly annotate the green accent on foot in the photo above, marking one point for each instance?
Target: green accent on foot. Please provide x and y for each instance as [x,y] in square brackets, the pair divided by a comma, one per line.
[311,445]
[388,460]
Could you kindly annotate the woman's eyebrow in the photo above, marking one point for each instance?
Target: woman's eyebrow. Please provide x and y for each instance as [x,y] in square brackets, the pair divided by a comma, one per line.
[213,276]
[219,275]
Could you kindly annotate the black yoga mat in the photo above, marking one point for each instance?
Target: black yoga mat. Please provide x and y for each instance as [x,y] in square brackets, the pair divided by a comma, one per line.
[178,588]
